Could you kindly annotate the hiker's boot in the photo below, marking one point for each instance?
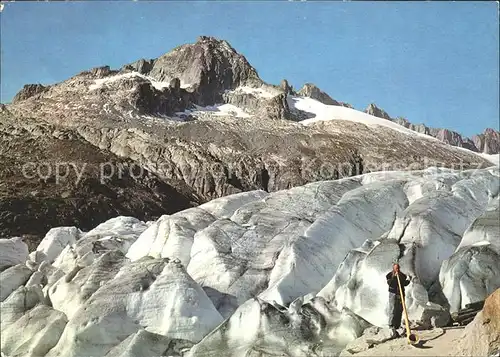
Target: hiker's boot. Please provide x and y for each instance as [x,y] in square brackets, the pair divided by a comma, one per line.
[401,332]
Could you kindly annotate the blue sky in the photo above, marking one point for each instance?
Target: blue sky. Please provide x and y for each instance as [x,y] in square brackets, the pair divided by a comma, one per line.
[431,62]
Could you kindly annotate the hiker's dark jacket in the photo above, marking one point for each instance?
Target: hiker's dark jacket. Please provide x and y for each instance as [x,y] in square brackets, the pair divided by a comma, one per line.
[392,281]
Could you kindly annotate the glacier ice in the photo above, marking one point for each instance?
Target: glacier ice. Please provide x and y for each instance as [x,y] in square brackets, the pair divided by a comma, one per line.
[13,251]
[472,272]
[299,271]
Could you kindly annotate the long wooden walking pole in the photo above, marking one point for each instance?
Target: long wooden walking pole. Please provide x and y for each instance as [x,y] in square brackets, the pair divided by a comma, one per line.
[412,338]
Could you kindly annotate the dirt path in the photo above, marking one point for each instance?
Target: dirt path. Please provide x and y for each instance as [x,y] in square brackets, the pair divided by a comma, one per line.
[439,342]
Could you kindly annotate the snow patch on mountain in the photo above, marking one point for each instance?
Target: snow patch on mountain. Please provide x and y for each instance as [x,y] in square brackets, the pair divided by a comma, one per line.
[219,110]
[99,83]
[262,92]
[493,158]
[332,112]
[323,112]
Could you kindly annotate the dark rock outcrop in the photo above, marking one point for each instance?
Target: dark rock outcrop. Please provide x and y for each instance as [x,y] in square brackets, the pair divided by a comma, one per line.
[146,99]
[210,66]
[142,66]
[488,142]
[453,138]
[277,108]
[377,112]
[175,84]
[101,72]
[287,88]
[419,128]
[28,91]
[312,91]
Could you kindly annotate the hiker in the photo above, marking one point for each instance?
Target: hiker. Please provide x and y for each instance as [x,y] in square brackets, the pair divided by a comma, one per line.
[395,304]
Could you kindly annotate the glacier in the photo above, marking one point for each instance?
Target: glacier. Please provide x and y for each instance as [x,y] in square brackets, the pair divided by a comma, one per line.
[297,272]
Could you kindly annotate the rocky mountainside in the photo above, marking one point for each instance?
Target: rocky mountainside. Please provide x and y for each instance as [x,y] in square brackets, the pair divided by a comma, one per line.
[199,124]
[52,176]
[487,142]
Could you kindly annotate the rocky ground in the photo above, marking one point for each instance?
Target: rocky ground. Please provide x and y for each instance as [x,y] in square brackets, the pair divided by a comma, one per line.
[479,338]
[437,342]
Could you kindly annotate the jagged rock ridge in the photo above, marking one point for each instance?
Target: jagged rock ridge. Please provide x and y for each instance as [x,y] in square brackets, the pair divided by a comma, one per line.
[488,142]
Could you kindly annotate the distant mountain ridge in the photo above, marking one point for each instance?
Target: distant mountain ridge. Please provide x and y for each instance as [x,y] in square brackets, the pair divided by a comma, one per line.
[488,142]
[210,67]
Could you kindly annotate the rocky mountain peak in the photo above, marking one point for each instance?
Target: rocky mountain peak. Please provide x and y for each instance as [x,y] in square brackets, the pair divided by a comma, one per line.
[488,142]
[141,66]
[100,72]
[286,87]
[28,91]
[372,109]
[209,66]
[312,91]
[450,137]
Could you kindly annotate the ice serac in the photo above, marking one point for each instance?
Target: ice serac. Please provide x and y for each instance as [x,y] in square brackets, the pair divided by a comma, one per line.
[359,285]
[18,303]
[118,233]
[148,344]
[363,213]
[154,294]
[12,278]
[71,292]
[35,333]
[172,236]
[297,272]
[437,221]
[13,251]
[472,272]
[298,330]
[56,240]
[237,256]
